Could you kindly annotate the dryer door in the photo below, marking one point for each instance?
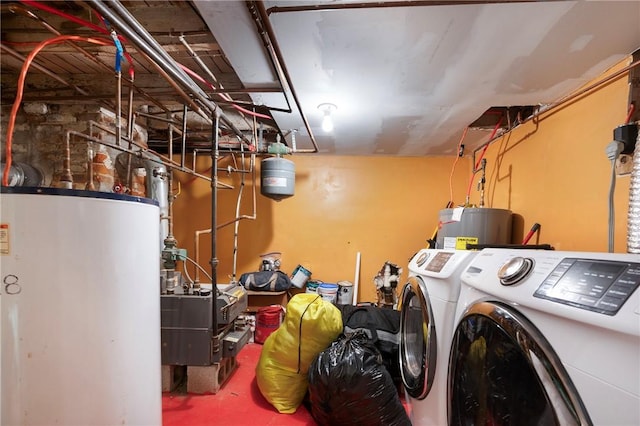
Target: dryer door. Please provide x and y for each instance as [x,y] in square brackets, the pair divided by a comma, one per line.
[502,371]
[418,342]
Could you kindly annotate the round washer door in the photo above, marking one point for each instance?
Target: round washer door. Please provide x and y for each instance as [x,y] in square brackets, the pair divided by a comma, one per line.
[503,371]
[418,344]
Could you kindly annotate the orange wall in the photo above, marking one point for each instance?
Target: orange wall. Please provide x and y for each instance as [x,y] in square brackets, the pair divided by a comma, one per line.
[385,208]
[553,171]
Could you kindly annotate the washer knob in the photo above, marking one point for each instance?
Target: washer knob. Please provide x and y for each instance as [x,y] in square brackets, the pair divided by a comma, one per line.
[514,270]
[422,259]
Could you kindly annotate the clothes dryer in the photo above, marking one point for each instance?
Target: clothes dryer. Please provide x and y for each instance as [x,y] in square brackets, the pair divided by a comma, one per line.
[427,313]
[547,337]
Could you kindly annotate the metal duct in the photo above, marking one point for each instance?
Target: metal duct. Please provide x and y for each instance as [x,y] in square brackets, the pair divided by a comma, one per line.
[633,219]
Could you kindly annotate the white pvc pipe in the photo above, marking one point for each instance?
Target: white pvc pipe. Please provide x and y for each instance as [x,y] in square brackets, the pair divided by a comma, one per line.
[356,280]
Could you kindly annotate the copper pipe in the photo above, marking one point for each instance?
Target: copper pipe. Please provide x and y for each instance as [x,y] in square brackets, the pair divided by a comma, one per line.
[165,161]
[48,27]
[66,99]
[170,173]
[183,138]
[387,4]
[197,255]
[118,107]
[594,86]
[140,153]
[130,124]
[271,57]
[565,100]
[44,70]
[164,119]
[240,217]
[89,186]
[185,97]
[281,68]
[14,8]
[122,19]
[244,91]
[204,67]
[214,202]
[194,156]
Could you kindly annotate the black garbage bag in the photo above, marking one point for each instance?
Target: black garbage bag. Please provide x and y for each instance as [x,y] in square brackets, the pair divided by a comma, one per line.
[382,326]
[349,385]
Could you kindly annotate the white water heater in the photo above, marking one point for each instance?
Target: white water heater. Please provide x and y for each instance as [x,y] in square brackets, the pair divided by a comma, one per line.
[79,308]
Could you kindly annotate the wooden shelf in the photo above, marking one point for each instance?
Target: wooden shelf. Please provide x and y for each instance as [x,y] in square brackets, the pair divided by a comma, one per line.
[259,299]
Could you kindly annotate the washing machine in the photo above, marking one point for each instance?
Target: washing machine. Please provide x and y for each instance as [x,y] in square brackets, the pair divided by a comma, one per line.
[546,338]
[427,314]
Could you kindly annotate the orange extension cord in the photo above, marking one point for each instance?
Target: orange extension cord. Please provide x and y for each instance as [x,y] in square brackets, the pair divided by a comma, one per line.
[21,80]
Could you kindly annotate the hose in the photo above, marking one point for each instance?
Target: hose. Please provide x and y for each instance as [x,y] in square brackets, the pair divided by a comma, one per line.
[475,167]
[20,90]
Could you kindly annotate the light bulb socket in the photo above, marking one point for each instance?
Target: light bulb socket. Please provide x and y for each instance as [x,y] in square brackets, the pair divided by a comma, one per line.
[327,122]
[327,108]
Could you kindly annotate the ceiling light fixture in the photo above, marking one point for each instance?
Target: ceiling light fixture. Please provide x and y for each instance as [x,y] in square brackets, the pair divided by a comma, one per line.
[327,122]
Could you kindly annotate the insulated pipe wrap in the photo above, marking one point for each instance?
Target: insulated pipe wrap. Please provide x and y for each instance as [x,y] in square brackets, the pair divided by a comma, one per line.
[633,219]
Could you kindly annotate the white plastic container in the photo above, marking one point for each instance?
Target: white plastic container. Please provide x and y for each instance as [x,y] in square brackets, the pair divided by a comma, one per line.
[79,309]
[328,292]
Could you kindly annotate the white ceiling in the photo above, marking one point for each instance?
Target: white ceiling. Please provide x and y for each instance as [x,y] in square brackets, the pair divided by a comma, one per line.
[408,80]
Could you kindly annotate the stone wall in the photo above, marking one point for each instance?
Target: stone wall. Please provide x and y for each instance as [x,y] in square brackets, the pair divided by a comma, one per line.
[40,134]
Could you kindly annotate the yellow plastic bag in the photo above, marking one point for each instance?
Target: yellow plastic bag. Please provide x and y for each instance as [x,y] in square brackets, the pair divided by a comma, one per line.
[310,325]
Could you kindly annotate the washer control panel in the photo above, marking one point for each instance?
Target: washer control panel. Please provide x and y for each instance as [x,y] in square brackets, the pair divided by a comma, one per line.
[595,285]
[439,261]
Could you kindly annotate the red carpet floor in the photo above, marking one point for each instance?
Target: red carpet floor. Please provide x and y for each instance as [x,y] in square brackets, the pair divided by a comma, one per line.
[239,402]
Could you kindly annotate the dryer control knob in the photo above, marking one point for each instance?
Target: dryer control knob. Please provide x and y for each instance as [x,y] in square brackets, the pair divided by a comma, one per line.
[422,259]
[514,270]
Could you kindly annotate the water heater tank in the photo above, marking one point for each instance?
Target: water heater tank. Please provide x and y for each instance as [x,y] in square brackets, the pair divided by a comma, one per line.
[277,178]
[473,225]
[79,308]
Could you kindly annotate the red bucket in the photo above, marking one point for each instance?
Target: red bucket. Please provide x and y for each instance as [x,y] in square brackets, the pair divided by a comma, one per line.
[268,320]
